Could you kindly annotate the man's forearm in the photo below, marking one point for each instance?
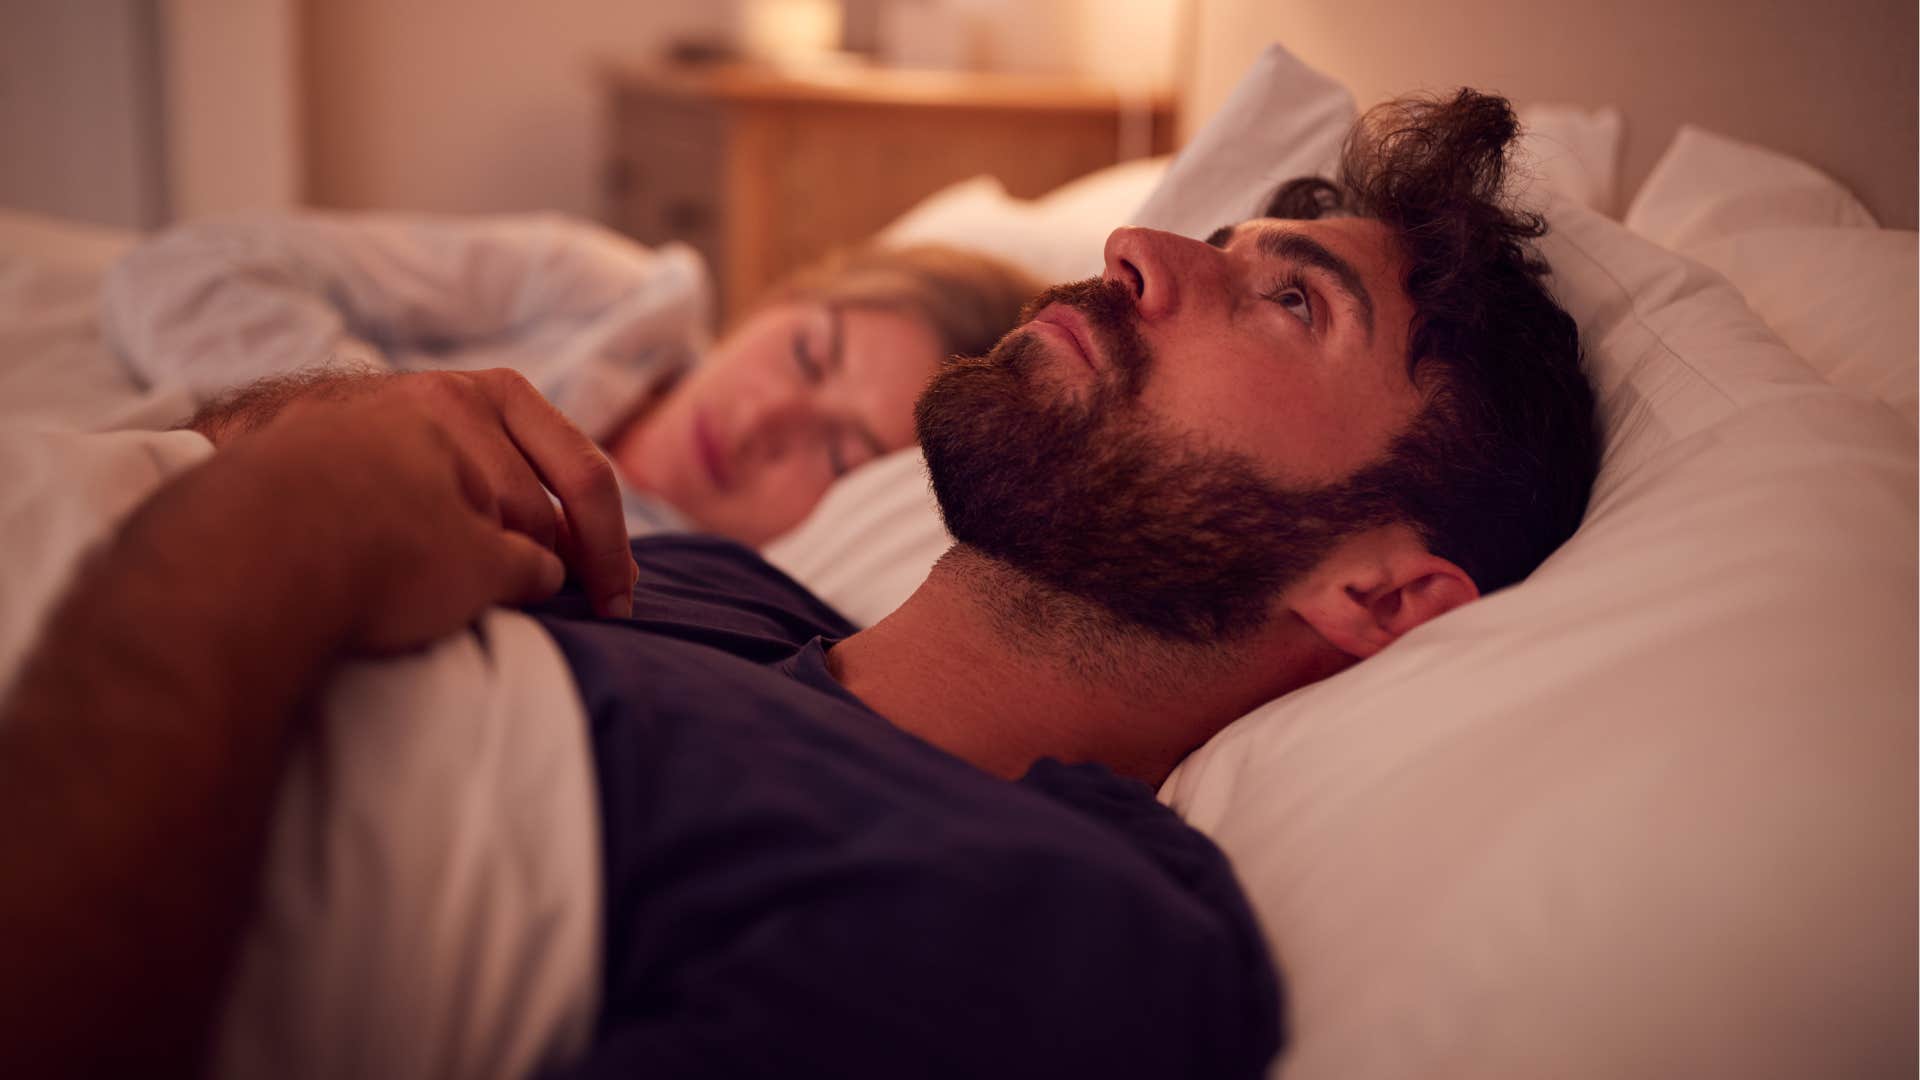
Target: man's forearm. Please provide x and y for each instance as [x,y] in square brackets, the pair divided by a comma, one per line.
[249,408]
[139,755]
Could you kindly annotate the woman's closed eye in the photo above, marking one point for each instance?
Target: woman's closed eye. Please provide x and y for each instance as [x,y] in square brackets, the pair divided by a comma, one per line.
[845,452]
[850,446]
[810,368]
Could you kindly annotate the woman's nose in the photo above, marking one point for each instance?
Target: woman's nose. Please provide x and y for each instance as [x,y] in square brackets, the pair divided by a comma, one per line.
[766,420]
[1162,270]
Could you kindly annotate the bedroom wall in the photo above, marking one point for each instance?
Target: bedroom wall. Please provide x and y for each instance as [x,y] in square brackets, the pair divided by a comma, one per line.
[1834,83]
[491,105]
[470,105]
[230,85]
[137,113]
[80,126]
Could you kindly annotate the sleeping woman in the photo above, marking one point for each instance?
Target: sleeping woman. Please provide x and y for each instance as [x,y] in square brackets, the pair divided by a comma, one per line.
[740,438]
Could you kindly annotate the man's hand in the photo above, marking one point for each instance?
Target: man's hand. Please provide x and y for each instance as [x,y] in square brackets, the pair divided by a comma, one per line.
[376,499]
[517,448]
[142,745]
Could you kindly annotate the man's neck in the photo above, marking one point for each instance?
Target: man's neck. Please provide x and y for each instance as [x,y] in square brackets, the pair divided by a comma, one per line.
[1000,670]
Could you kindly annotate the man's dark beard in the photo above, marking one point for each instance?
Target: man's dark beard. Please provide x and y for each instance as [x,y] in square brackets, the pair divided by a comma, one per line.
[1094,498]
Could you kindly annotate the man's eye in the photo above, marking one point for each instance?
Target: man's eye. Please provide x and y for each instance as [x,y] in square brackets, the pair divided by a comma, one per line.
[802,359]
[1294,299]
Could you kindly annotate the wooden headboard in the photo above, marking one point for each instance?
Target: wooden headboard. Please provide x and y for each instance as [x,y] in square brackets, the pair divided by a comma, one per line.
[1833,84]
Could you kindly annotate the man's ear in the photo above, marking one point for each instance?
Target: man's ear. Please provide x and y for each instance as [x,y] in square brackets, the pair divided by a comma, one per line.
[1375,587]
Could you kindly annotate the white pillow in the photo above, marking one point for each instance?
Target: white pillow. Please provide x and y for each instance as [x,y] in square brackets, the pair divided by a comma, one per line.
[1845,300]
[1057,237]
[1649,812]
[1572,152]
[1707,186]
[1282,120]
[871,540]
[1799,247]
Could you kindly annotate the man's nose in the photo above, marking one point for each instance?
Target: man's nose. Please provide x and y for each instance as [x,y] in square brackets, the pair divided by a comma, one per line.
[1162,270]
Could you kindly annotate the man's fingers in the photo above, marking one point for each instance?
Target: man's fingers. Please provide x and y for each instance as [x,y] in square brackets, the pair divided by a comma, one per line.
[525,572]
[580,476]
[464,407]
[524,505]
[474,485]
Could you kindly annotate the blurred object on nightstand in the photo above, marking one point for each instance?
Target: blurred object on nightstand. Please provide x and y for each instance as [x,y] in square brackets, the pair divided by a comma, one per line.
[763,171]
[791,33]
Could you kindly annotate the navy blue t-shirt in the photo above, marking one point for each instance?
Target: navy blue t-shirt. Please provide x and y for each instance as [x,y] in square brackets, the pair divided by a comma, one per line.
[795,887]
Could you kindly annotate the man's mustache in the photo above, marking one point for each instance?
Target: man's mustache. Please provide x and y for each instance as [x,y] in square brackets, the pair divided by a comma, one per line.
[1108,308]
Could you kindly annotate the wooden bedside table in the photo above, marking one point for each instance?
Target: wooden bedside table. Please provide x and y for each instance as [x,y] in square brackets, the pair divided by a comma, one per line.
[763,172]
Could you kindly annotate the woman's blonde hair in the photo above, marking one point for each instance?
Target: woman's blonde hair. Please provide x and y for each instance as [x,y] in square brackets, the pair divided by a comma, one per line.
[971,300]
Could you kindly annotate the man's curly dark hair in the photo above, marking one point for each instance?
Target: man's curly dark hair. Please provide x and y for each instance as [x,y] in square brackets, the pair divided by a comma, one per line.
[1496,471]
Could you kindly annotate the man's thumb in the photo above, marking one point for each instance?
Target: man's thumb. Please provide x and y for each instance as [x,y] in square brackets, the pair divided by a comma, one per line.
[527,571]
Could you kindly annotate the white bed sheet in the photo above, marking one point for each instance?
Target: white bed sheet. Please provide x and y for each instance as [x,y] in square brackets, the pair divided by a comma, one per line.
[55,370]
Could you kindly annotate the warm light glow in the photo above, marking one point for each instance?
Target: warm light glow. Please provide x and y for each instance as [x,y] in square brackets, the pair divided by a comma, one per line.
[792,32]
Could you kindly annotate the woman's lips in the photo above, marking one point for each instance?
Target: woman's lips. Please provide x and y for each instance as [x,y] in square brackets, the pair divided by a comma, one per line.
[1070,325]
[707,448]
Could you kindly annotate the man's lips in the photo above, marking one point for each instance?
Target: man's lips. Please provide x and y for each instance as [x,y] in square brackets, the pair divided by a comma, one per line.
[1069,324]
[707,448]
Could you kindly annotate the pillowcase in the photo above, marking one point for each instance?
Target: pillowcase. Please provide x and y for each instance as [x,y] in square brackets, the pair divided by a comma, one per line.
[1844,300]
[1571,152]
[1058,237]
[1648,812]
[1801,249]
[871,540]
[1282,120]
[1707,186]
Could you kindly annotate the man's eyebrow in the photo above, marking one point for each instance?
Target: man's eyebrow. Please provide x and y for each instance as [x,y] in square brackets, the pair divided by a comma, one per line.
[1219,237]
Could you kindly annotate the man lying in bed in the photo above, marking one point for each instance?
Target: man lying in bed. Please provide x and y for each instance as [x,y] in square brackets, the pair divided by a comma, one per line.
[1219,472]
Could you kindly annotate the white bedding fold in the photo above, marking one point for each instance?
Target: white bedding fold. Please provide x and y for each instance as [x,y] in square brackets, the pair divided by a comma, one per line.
[431,900]
[592,319]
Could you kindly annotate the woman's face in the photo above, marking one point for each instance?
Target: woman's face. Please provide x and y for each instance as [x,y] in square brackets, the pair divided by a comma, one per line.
[749,440]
